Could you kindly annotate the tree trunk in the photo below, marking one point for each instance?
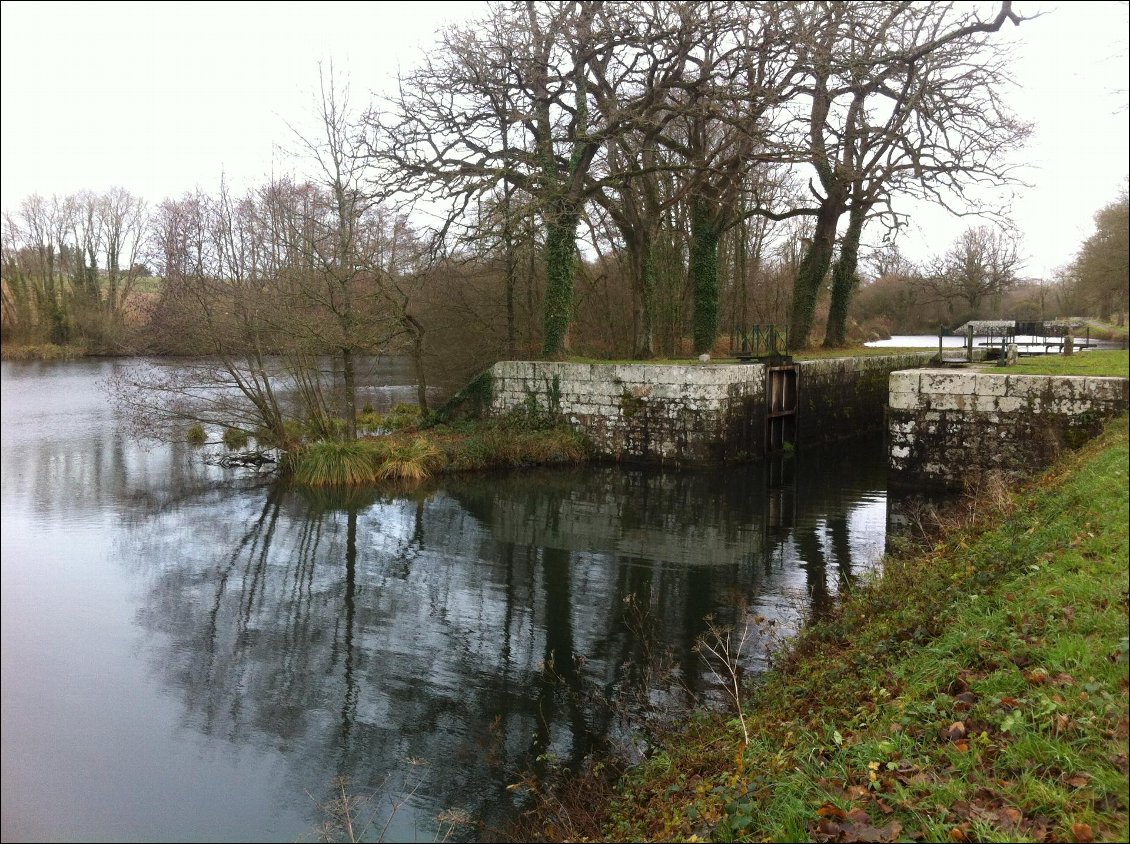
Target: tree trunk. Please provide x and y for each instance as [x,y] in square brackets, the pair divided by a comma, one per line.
[350,377]
[418,362]
[704,276]
[642,254]
[845,280]
[560,270]
[811,273]
[511,275]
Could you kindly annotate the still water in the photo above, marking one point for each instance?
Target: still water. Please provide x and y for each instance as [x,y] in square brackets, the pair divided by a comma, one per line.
[192,653]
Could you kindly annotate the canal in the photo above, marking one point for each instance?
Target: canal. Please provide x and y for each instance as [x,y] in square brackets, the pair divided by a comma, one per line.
[195,653]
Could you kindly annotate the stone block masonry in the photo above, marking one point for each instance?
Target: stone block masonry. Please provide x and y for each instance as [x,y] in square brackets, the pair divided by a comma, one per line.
[697,414]
[845,397]
[690,414]
[946,426]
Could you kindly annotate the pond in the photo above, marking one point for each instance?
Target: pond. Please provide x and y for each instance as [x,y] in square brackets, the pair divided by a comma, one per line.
[194,653]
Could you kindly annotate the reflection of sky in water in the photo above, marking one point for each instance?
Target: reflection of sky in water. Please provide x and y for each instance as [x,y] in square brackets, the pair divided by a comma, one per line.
[188,651]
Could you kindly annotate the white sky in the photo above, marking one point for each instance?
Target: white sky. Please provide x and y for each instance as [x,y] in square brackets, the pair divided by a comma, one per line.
[163,97]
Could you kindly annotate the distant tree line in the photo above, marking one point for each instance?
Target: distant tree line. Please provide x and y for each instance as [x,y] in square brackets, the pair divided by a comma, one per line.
[981,276]
[69,266]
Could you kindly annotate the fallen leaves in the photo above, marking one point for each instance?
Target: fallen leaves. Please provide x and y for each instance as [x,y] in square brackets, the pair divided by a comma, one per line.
[954,731]
[855,825]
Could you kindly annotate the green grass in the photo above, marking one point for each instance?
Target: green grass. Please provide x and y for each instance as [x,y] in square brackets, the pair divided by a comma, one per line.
[805,354]
[863,351]
[411,456]
[1107,331]
[975,691]
[498,445]
[195,435]
[1094,363]
[650,361]
[339,464]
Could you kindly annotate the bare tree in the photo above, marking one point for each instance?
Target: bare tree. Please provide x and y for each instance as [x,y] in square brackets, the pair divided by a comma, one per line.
[529,98]
[898,94]
[982,264]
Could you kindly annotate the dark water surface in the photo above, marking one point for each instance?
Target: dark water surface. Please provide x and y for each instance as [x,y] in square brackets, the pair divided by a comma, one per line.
[192,653]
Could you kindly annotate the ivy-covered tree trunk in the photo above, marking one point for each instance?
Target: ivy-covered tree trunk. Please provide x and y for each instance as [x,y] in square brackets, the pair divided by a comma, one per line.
[810,275]
[646,348]
[704,276]
[560,268]
[845,279]
[641,250]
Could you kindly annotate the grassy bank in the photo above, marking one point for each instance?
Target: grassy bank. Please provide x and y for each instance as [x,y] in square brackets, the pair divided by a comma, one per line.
[802,354]
[975,691]
[41,351]
[1106,331]
[1095,363]
[415,454]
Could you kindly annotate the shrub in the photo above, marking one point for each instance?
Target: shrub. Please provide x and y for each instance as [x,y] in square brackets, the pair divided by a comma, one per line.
[266,438]
[235,438]
[195,435]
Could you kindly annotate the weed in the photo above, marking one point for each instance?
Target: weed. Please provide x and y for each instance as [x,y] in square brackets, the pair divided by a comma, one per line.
[369,419]
[352,817]
[403,416]
[723,649]
[41,351]
[195,435]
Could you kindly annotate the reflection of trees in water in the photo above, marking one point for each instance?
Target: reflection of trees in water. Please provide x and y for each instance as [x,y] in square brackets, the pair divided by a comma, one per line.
[394,627]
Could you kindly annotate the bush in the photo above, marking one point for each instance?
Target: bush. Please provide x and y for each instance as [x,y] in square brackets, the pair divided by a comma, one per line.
[266,438]
[195,435]
[235,438]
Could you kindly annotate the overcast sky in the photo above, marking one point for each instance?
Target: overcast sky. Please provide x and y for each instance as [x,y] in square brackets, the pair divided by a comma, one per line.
[163,97]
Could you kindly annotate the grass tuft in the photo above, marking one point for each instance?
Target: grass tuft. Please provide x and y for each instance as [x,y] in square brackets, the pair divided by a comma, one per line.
[411,460]
[195,435]
[1095,362]
[235,438]
[335,463]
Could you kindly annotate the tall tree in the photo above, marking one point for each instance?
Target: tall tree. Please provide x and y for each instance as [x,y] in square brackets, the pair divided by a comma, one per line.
[897,94]
[573,75]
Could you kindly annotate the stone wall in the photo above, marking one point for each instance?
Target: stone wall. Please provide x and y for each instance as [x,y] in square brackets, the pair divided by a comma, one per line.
[697,414]
[948,426]
[680,414]
[844,397]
